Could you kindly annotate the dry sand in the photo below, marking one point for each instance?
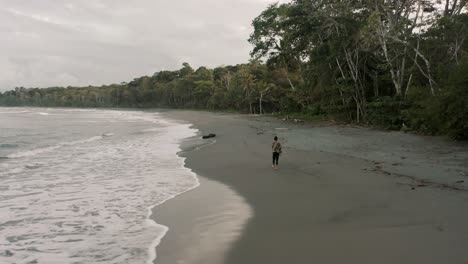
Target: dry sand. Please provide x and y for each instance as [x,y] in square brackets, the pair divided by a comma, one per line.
[342,195]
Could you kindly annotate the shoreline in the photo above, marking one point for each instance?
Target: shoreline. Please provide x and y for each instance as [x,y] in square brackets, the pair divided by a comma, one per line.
[193,199]
[321,201]
[201,229]
[152,253]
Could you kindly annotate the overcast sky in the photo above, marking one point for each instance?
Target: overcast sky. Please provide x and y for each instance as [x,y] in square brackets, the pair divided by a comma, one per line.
[92,42]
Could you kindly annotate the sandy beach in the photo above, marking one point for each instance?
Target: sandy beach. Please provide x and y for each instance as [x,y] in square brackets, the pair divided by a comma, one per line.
[342,195]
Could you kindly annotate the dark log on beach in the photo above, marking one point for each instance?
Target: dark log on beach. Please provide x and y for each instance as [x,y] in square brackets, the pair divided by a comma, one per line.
[209,136]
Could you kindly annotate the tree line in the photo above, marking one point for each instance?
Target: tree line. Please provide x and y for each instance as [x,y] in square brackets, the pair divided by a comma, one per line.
[396,64]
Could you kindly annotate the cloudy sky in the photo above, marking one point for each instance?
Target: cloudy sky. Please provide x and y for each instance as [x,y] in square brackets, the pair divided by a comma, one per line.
[92,42]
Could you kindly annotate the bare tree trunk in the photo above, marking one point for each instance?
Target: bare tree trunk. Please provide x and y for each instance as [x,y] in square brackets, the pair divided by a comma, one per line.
[291,84]
[457,10]
[446,10]
[358,109]
[376,84]
[457,49]
[408,84]
[227,80]
[426,73]
[382,36]
[454,6]
[261,99]
[260,103]
[401,72]
[360,97]
[344,78]
[339,88]
[392,24]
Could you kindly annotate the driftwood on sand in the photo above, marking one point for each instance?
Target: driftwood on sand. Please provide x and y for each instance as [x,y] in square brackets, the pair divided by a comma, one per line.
[209,136]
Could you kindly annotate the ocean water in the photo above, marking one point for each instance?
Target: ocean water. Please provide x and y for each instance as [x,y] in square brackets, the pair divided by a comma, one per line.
[77,186]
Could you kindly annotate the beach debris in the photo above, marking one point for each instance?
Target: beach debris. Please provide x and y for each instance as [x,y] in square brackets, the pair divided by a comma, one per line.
[422,183]
[404,127]
[460,181]
[331,122]
[282,128]
[403,158]
[378,167]
[296,120]
[260,131]
[396,164]
[452,187]
[440,228]
[209,136]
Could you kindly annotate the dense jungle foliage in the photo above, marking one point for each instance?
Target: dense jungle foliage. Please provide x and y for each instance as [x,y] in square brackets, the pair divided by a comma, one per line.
[395,64]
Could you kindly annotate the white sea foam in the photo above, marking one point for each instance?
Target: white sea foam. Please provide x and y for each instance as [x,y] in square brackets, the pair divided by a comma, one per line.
[151,248]
[51,148]
[151,130]
[32,152]
[89,201]
[15,112]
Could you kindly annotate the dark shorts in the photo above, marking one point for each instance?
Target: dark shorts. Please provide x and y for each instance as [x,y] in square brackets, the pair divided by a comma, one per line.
[275,158]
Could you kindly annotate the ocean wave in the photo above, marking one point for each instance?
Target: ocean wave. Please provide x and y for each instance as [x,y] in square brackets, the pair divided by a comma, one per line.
[98,196]
[51,148]
[155,129]
[8,145]
[15,112]
[14,171]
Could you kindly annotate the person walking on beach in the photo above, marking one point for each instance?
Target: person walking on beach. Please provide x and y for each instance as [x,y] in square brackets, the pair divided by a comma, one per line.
[276,147]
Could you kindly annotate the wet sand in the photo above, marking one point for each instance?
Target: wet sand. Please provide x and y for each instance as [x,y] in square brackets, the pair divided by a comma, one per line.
[342,195]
